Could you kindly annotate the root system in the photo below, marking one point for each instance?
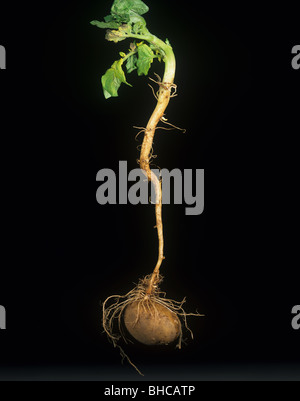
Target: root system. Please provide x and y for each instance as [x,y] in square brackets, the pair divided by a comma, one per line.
[114,310]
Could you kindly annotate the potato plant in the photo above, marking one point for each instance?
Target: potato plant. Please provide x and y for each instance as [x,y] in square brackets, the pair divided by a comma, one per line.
[144,313]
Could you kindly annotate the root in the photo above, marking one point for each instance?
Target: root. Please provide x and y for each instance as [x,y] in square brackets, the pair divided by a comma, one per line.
[154,94]
[142,129]
[125,356]
[164,85]
[114,306]
[165,121]
[173,86]
[158,77]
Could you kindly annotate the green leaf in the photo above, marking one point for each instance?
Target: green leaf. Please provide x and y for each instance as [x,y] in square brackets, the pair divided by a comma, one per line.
[145,59]
[112,79]
[156,51]
[131,63]
[108,18]
[122,8]
[138,22]
[106,25]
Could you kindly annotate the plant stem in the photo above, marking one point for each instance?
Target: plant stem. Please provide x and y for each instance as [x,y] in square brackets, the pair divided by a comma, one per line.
[129,54]
[145,156]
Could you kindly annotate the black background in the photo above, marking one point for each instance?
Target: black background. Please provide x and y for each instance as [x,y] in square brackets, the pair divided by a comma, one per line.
[62,253]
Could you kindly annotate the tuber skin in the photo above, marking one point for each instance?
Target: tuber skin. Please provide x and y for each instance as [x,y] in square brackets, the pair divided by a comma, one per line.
[151,323]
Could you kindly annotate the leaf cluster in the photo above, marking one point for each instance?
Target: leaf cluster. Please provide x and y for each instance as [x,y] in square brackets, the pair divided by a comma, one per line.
[125,21]
[127,13]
